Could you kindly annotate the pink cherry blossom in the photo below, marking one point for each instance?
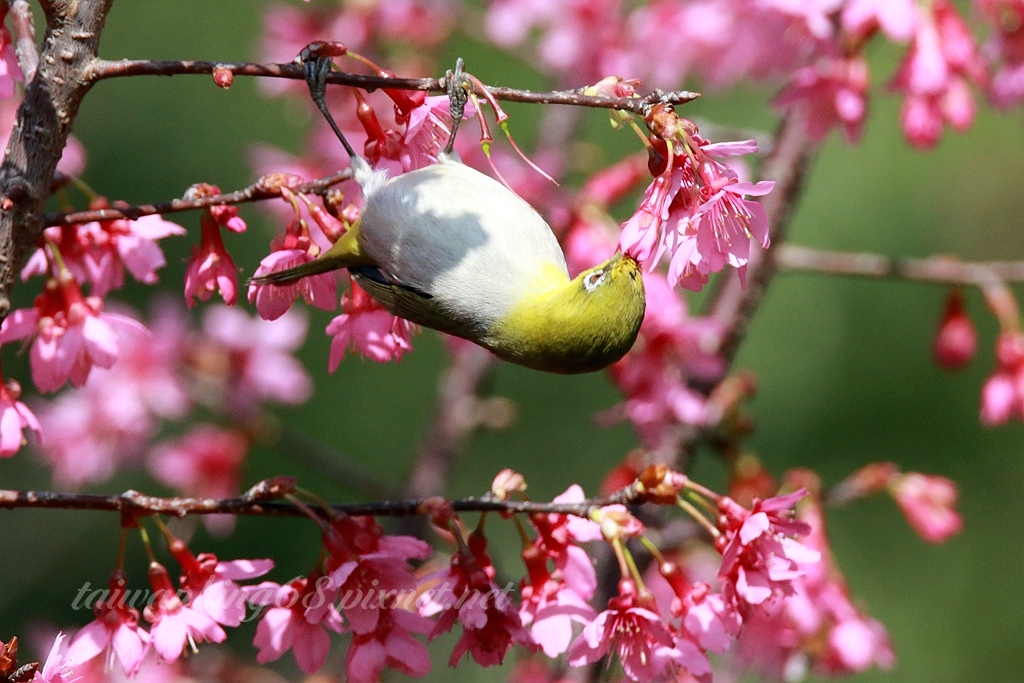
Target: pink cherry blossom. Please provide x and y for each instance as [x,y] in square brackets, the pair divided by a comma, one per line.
[176,624]
[115,633]
[295,247]
[557,539]
[632,632]
[56,668]
[818,627]
[831,93]
[211,268]
[272,301]
[368,328]
[929,504]
[1002,396]
[15,418]
[427,131]
[99,252]
[286,626]
[942,61]
[210,583]
[896,18]
[549,610]
[760,557]
[70,333]
[465,592]
[696,214]
[364,562]
[389,645]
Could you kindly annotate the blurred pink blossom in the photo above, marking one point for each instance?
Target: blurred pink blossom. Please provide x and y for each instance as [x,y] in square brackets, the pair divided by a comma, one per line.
[204,463]
[833,93]
[1002,396]
[70,334]
[15,418]
[368,328]
[1004,50]
[929,504]
[935,76]
[259,365]
[956,341]
[896,18]
[10,71]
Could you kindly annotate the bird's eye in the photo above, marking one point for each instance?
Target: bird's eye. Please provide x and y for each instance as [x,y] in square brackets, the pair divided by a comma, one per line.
[594,280]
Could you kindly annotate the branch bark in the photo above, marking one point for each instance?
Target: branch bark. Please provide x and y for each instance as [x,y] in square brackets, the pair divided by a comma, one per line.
[139,504]
[42,126]
[104,69]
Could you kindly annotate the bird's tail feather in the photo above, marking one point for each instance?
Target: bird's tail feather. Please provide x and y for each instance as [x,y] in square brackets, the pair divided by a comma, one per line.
[296,273]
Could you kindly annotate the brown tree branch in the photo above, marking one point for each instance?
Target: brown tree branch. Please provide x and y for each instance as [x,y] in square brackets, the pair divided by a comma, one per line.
[103,69]
[258,191]
[731,303]
[138,504]
[734,304]
[940,269]
[41,129]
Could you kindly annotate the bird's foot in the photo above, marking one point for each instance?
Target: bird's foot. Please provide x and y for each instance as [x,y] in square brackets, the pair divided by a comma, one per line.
[316,64]
[459,85]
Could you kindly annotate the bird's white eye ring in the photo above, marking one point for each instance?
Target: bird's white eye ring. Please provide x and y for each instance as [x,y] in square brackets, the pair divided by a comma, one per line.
[593,280]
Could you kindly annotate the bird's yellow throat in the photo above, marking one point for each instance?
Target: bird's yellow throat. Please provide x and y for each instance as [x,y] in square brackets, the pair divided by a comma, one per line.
[580,326]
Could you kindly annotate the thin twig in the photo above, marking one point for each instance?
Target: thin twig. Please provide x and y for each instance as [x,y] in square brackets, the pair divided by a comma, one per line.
[102,69]
[939,269]
[256,192]
[25,38]
[135,503]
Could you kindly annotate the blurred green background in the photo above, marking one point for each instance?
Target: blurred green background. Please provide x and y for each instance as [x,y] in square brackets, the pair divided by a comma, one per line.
[844,366]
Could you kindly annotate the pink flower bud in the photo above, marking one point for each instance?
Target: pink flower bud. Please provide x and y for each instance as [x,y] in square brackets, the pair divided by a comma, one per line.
[223,77]
[957,340]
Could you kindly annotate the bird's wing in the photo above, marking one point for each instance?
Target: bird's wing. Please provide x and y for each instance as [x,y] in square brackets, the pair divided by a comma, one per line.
[408,302]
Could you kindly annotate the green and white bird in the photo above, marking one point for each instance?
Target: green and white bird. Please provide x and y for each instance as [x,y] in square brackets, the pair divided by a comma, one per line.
[450,248]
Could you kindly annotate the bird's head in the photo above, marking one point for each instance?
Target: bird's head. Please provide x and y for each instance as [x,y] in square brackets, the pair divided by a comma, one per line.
[579,326]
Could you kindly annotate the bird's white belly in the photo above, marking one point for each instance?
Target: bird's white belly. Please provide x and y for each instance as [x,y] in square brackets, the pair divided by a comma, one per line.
[461,237]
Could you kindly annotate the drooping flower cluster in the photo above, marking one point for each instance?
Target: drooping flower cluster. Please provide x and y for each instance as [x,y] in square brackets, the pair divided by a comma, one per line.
[211,268]
[694,214]
[768,603]
[818,628]
[206,599]
[366,587]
